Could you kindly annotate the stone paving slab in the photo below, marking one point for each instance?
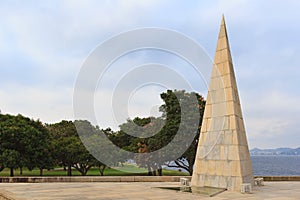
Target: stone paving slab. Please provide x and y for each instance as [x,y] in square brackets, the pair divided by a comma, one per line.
[139,190]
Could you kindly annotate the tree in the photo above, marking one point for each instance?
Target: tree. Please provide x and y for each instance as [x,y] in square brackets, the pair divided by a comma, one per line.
[10,158]
[182,112]
[39,148]
[143,129]
[69,151]
[22,141]
[171,109]
[98,144]
[84,159]
[63,142]
[101,167]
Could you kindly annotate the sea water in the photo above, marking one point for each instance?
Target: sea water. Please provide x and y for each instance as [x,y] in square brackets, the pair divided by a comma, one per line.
[271,165]
[280,165]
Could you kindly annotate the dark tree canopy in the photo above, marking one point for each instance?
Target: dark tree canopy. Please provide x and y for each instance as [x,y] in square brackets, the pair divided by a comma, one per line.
[80,145]
[68,149]
[23,143]
[178,112]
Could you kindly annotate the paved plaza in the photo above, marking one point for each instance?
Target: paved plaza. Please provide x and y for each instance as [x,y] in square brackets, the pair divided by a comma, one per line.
[138,190]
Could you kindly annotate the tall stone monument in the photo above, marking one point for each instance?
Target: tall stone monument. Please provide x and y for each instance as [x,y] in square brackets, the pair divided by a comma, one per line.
[222,159]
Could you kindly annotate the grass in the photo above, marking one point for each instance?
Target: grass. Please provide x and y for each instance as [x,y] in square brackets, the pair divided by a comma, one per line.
[126,170]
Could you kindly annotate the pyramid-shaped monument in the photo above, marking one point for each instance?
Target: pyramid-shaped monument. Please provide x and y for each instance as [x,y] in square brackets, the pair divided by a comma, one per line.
[222,158]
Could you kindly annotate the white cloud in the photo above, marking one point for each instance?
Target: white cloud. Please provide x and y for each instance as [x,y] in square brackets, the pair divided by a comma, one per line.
[271,118]
[43,45]
[142,103]
[47,104]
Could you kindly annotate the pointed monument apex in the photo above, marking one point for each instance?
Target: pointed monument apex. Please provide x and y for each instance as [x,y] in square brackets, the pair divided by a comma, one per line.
[222,43]
[223,31]
[223,20]
[223,158]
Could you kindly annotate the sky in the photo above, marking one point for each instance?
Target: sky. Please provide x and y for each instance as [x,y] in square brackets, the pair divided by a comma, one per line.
[44,45]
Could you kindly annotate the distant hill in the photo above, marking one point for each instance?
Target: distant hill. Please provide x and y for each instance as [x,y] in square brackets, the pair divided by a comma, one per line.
[278,151]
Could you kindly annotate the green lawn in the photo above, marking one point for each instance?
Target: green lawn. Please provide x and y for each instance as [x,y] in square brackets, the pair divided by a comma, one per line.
[126,170]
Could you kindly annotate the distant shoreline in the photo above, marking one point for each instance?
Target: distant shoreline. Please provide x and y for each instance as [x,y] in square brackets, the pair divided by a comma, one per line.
[278,151]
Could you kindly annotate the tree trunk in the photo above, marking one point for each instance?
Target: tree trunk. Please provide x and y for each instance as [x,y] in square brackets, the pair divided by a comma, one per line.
[41,171]
[154,172]
[69,170]
[149,171]
[83,169]
[11,171]
[83,172]
[191,170]
[191,165]
[21,171]
[101,170]
[159,171]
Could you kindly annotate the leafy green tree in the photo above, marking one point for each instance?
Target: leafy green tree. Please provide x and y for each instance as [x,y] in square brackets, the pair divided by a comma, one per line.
[120,139]
[182,111]
[85,159]
[64,142]
[98,144]
[10,158]
[136,133]
[39,147]
[24,139]
[171,110]
[69,150]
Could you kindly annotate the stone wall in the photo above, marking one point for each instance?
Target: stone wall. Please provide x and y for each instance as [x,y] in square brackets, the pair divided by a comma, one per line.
[92,179]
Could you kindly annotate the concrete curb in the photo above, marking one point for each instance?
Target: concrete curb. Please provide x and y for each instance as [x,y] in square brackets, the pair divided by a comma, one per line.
[53,179]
